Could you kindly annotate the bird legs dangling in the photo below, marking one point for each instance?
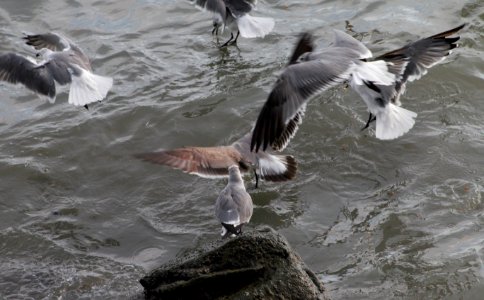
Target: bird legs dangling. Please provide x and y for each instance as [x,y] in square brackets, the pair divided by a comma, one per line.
[371,118]
[230,42]
[256,179]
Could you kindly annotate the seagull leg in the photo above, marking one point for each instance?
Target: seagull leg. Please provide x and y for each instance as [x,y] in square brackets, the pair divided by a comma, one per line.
[256,179]
[215,30]
[236,37]
[371,118]
[227,42]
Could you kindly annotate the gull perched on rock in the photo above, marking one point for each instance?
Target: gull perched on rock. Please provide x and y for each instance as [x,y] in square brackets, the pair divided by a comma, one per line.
[62,62]
[234,205]
[234,14]
[379,81]
[213,162]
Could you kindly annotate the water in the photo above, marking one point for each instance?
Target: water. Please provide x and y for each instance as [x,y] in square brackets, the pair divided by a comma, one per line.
[81,218]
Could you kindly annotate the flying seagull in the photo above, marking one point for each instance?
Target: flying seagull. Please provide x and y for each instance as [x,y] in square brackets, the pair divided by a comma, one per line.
[213,162]
[234,14]
[308,74]
[421,55]
[234,205]
[379,81]
[63,62]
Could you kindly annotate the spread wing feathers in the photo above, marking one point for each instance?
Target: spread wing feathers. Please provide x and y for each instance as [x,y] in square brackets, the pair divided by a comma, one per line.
[422,55]
[344,40]
[58,43]
[210,162]
[289,131]
[305,44]
[52,41]
[214,6]
[295,86]
[239,8]
[277,168]
[15,68]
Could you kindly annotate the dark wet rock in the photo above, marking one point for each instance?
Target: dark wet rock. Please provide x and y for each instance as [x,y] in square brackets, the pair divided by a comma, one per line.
[254,265]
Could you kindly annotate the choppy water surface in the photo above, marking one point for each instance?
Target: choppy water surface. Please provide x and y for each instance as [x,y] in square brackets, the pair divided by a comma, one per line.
[79,217]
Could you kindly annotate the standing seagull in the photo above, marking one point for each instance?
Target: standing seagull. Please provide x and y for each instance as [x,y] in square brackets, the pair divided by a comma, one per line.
[62,62]
[234,205]
[380,82]
[234,14]
[213,162]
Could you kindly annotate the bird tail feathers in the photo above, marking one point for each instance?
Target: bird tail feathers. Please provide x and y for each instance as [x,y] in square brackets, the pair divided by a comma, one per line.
[393,122]
[88,88]
[251,27]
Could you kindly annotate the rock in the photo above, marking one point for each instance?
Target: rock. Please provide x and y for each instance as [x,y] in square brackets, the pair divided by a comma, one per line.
[255,265]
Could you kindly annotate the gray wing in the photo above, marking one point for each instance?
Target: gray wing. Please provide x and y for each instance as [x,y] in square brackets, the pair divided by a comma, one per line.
[214,6]
[57,42]
[344,40]
[61,68]
[293,89]
[226,209]
[421,55]
[50,41]
[244,203]
[239,8]
[18,69]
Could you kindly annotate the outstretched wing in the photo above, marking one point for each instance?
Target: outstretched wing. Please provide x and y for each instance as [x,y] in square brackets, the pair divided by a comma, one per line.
[15,68]
[282,112]
[50,41]
[210,162]
[422,55]
[58,43]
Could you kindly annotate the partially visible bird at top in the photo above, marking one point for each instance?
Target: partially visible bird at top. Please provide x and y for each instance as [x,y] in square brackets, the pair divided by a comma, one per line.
[379,81]
[213,162]
[234,205]
[62,62]
[234,14]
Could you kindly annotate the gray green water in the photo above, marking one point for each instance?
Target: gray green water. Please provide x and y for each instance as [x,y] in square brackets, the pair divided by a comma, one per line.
[81,218]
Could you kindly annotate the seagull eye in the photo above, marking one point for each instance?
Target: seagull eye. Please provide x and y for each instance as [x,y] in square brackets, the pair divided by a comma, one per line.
[37,55]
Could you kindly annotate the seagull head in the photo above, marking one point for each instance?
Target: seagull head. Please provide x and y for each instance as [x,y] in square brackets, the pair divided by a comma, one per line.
[44,53]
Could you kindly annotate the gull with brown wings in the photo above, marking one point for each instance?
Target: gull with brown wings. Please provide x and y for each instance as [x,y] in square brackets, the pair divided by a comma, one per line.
[213,162]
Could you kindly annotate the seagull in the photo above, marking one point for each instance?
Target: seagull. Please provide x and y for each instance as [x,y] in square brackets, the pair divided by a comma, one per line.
[421,55]
[234,205]
[234,14]
[63,62]
[379,81]
[213,162]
